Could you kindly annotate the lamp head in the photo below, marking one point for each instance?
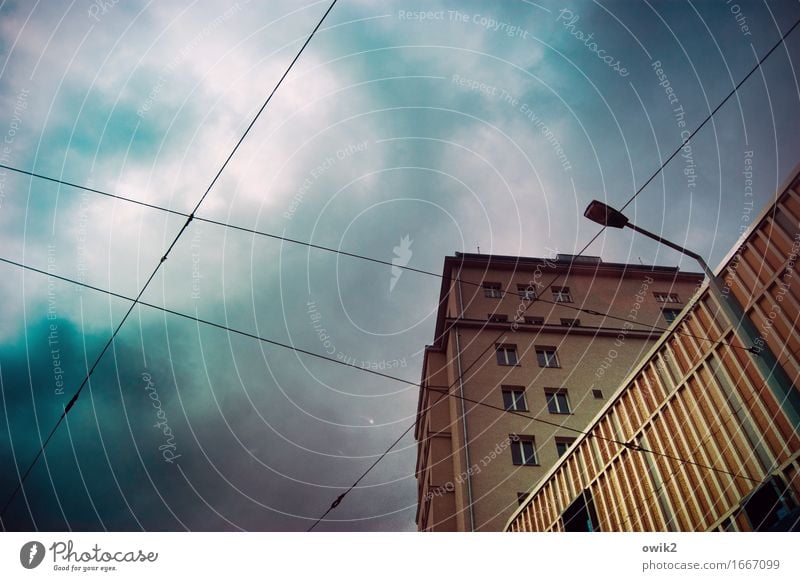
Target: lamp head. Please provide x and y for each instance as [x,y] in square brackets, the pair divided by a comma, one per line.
[605,215]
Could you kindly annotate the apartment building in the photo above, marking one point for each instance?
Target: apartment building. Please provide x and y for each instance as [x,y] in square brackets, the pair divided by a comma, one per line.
[526,352]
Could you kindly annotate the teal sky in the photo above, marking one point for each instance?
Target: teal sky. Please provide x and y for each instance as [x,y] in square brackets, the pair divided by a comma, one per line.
[486,124]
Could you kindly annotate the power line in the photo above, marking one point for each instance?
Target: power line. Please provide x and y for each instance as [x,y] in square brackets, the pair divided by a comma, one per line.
[281,238]
[209,323]
[596,236]
[455,381]
[710,115]
[189,218]
[373,372]
[628,445]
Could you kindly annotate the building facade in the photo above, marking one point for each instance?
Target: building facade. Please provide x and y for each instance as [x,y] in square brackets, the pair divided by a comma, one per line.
[694,440]
[547,340]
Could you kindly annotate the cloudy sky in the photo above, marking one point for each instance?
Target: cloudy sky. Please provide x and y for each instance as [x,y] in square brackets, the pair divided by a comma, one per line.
[486,124]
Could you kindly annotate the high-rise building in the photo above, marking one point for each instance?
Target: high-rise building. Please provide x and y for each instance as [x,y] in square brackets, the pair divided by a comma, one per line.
[549,340]
[704,435]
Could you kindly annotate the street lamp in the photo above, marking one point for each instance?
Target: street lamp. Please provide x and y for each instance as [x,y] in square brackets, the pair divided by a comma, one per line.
[764,359]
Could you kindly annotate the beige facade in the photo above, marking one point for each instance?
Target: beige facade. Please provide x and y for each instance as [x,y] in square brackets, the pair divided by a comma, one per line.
[545,355]
[719,452]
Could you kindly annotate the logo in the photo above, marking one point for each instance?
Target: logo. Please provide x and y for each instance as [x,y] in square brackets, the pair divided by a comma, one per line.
[402,254]
[31,554]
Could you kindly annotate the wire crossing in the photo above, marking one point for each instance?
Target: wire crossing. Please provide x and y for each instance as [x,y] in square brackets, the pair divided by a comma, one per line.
[596,236]
[136,301]
[354,255]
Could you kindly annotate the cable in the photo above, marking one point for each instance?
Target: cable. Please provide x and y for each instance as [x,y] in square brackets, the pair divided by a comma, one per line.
[210,323]
[628,445]
[359,368]
[191,216]
[710,115]
[74,398]
[596,236]
[503,293]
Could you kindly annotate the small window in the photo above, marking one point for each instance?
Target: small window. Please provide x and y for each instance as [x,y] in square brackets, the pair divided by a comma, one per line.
[534,320]
[580,516]
[557,401]
[498,318]
[507,355]
[667,297]
[492,290]
[523,450]
[546,356]
[571,322]
[562,444]
[514,399]
[670,314]
[521,496]
[526,292]
[561,294]
[598,394]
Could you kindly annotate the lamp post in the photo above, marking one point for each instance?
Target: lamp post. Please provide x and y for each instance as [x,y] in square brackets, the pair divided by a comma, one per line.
[762,356]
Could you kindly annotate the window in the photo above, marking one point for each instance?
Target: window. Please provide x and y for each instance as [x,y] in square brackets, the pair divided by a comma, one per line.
[492,290]
[534,320]
[597,394]
[561,294]
[523,450]
[526,292]
[562,444]
[498,318]
[557,401]
[514,399]
[666,297]
[769,507]
[580,516]
[670,314]
[571,322]
[546,356]
[506,355]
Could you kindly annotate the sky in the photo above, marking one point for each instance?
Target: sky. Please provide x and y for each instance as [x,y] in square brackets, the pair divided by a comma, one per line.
[406,131]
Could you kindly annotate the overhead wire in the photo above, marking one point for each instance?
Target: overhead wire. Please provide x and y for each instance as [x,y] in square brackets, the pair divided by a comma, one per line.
[192,216]
[189,218]
[337,251]
[641,188]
